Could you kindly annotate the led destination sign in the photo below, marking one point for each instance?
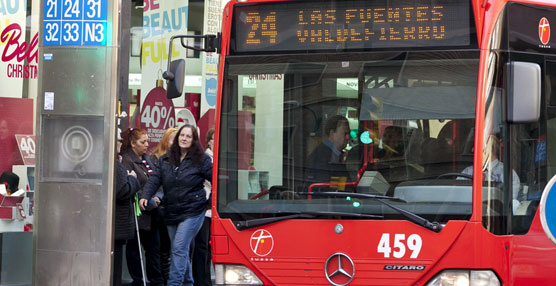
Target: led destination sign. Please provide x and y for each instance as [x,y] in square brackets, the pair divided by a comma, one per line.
[356,24]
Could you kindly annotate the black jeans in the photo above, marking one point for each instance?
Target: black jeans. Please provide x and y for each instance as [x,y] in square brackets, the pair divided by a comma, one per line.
[201,259]
[150,241]
[118,256]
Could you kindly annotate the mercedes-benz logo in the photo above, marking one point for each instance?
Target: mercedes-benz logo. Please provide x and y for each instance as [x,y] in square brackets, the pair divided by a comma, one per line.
[339,269]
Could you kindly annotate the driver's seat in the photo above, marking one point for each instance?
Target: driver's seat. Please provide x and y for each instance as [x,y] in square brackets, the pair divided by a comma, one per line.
[436,155]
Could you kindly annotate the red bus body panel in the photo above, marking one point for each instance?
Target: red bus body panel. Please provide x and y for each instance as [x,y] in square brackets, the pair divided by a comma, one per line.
[301,247]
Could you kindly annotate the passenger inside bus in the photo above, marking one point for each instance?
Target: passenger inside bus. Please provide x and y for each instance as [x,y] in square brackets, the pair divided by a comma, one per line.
[413,150]
[390,160]
[392,145]
[326,161]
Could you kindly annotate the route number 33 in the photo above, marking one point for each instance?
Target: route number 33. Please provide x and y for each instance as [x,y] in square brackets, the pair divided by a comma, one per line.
[398,250]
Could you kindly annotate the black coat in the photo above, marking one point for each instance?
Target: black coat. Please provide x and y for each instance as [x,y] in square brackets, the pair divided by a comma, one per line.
[160,193]
[126,187]
[184,193]
[322,164]
[132,162]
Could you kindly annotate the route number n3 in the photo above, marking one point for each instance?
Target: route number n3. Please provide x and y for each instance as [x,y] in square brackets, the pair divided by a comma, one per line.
[414,243]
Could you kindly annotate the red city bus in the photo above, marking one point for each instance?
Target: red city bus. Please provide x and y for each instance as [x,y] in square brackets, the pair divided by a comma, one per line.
[385,142]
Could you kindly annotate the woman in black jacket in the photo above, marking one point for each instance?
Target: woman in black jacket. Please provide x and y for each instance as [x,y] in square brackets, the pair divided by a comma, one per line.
[135,158]
[124,228]
[183,171]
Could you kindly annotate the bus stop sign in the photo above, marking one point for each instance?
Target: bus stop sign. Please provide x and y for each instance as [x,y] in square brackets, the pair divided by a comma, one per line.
[548,209]
[75,23]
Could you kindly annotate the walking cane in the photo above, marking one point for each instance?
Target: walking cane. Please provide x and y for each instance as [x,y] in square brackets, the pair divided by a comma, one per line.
[139,241]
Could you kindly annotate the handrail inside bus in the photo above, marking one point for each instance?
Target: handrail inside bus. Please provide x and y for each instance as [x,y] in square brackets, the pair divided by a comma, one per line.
[347,184]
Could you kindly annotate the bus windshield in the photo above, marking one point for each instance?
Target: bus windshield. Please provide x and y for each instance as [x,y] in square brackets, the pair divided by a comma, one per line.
[396,124]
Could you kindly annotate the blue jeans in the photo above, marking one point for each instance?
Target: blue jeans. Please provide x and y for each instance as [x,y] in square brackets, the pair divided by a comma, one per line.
[181,236]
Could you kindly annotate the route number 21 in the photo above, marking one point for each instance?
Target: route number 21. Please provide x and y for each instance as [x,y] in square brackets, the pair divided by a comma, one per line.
[414,243]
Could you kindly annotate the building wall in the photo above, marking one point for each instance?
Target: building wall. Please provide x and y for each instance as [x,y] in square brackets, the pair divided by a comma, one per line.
[19,74]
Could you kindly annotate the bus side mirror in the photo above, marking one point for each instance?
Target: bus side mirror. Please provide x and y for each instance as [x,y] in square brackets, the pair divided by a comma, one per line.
[524,92]
[175,75]
[175,78]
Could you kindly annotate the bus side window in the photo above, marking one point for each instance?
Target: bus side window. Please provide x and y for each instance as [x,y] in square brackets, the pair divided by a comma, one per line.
[528,163]
[535,153]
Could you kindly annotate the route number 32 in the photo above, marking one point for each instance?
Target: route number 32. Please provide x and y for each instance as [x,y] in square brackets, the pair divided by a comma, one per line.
[413,243]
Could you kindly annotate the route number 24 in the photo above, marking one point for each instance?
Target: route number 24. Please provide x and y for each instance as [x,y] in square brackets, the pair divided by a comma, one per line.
[414,243]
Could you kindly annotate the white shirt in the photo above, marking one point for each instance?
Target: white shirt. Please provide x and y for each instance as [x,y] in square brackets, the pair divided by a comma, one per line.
[208,184]
[495,173]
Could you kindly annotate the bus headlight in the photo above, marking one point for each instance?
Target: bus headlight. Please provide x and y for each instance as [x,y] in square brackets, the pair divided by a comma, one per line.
[465,278]
[233,274]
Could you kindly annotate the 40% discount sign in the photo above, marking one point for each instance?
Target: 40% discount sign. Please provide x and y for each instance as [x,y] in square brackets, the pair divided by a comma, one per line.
[157,115]
[27,147]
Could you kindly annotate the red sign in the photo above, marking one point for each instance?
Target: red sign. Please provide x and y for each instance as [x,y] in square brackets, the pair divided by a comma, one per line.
[16,48]
[157,115]
[262,242]
[16,118]
[26,144]
[544,31]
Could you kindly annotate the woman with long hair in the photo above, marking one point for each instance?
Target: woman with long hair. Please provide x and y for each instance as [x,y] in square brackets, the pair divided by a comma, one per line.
[164,144]
[182,173]
[134,158]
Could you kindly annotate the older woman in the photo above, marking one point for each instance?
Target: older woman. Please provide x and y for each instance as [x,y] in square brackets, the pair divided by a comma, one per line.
[135,158]
[183,171]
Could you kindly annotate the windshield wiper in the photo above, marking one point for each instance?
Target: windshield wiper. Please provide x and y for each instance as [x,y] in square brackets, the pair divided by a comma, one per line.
[246,224]
[355,195]
[418,220]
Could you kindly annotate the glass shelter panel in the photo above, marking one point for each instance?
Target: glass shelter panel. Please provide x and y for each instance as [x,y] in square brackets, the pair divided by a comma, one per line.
[19,72]
[393,124]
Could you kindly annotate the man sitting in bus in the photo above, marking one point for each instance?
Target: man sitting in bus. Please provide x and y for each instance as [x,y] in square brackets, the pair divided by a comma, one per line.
[326,161]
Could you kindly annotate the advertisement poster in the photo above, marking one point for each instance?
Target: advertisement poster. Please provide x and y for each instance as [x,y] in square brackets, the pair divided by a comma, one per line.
[16,118]
[19,57]
[157,115]
[212,23]
[27,148]
[161,21]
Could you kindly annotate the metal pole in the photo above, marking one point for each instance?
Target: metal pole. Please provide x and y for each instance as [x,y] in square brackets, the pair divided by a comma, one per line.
[139,245]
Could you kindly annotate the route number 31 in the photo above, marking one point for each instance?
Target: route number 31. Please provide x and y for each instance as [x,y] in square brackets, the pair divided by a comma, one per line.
[413,243]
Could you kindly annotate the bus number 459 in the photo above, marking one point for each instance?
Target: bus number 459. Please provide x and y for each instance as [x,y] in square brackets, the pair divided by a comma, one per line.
[414,243]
